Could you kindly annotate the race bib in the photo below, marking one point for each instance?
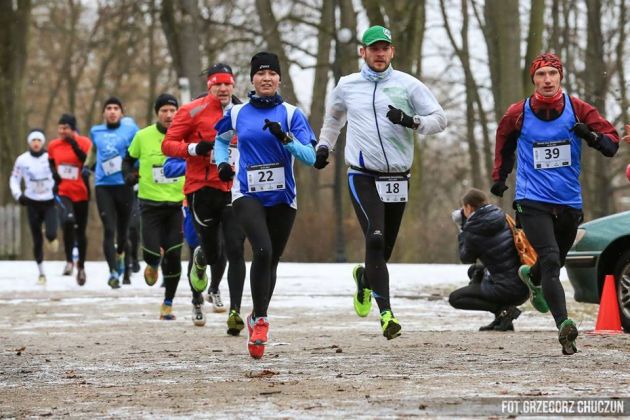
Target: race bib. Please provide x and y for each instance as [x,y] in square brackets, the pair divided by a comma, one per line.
[113,165]
[393,189]
[159,178]
[67,171]
[552,154]
[268,177]
[232,153]
[41,186]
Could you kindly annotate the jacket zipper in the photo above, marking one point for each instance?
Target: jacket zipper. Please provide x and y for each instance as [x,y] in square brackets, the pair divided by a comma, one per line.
[378,131]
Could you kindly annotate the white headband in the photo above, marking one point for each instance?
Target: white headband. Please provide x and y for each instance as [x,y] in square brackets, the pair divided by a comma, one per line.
[36,135]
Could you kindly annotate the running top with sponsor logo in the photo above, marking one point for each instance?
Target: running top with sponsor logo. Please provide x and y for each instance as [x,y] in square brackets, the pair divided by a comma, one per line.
[265,166]
[35,171]
[153,184]
[69,167]
[111,148]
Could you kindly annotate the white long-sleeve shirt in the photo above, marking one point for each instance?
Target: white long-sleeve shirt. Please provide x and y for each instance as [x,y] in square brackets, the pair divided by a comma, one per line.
[37,177]
[373,142]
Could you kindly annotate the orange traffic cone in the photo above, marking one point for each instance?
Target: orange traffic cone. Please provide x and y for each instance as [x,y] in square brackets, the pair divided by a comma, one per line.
[608,319]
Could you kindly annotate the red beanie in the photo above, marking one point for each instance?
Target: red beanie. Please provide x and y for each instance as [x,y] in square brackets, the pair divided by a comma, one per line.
[546,60]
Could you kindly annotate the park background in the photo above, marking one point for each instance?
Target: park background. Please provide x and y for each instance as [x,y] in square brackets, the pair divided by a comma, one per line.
[70,55]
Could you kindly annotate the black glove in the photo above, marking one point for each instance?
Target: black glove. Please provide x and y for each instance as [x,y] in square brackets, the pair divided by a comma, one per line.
[226,173]
[582,130]
[321,157]
[23,200]
[203,148]
[397,116]
[132,178]
[475,273]
[498,188]
[276,129]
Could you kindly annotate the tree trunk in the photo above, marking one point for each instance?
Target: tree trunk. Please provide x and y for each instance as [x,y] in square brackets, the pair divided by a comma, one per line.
[534,40]
[15,18]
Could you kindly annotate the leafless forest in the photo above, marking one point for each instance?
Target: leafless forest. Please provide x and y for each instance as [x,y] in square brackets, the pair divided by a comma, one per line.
[69,55]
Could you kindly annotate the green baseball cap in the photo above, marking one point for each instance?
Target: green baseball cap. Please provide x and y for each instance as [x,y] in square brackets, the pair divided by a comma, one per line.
[375,34]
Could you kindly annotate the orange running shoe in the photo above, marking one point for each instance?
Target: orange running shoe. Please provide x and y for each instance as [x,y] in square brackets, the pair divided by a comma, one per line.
[151,275]
[257,336]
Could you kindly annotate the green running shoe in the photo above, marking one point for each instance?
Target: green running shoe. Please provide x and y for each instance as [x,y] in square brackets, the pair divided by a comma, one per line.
[567,335]
[536,297]
[198,276]
[390,325]
[235,323]
[363,297]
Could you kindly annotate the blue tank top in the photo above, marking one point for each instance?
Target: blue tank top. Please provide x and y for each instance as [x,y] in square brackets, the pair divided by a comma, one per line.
[548,155]
[111,148]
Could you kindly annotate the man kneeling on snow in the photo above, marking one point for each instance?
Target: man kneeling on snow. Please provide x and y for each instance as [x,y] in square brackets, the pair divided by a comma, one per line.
[494,284]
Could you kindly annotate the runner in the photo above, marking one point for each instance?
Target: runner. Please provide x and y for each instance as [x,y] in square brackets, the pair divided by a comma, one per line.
[545,130]
[38,196]
[191,136]
[383,108]
[271,134]
[113,198]
[66,155]
[160,199]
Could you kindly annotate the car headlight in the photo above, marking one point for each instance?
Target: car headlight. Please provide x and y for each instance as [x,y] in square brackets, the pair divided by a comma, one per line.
[578,237]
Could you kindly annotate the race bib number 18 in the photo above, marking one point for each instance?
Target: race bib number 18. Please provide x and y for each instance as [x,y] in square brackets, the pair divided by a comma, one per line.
[269,177]
[393,189]
[552,154]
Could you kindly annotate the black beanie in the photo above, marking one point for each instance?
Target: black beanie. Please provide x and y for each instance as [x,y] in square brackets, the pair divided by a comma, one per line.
[218,68]
[165,99]
[112,100]
[68,119]
[264,61]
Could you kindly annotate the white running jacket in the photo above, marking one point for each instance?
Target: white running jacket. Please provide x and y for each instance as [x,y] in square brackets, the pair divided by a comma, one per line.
[37,177]
[373,142]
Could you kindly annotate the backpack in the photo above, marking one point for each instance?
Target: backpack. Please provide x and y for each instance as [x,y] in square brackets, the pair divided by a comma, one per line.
[526,251]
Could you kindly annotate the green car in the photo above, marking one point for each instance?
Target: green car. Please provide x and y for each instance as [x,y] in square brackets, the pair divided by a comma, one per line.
[602,247]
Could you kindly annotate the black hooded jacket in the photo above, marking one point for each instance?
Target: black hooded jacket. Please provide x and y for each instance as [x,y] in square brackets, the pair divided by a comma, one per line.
[486,236]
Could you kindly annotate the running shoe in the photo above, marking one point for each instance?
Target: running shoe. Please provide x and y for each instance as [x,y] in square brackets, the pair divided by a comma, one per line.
[151,275]
[198,318]
[113,281]
[81,277]
[120,264]
[536,298]
[567,334]
[217,302]
[52,246]
[67,270]
[505,318]
[166,312]
[41,280]
[363,297]
[198,276]
[490,326]
[390,325]
[257,337]
[135,266]
[235,323]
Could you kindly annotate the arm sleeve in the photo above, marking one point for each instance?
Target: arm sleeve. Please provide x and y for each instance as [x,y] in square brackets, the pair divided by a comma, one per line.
[432,116]
[174,143]
[225,133]
[608,137]
[91,156]
[467,252]
[334,119]
[174,167]
[302,147]
[16,178]
[80,154]
[508,131]
[128,164]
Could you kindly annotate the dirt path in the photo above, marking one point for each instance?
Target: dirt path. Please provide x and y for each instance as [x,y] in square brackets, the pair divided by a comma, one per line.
[104,353]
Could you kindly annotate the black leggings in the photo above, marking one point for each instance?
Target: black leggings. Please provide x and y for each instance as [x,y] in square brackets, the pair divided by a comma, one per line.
[114,206]
[74,216]
[162,228]
[39,212]
[551,229]
[133,235]
[487,297]
[268,230]
[380,223]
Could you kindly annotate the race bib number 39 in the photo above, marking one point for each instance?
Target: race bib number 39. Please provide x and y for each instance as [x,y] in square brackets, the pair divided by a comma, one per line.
[113,165]
[265,177]
[393,189]
[553,154]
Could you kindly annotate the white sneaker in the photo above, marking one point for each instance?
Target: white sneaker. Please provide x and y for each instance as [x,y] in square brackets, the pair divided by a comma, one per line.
[198,317]
[41,280]
[217,302]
